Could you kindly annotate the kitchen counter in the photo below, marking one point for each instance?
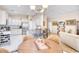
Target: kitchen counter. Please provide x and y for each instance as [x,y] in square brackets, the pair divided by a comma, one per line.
[16,40]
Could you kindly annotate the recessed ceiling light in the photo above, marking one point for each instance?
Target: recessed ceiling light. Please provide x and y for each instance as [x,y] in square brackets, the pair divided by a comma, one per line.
[18,5]
[13,11]
[45,6]
[32,7]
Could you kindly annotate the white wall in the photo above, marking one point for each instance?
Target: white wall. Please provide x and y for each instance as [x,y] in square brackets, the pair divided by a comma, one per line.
[36,20]
[72,28]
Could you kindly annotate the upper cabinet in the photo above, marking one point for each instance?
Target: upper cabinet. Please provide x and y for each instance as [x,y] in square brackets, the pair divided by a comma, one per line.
[3,17]
[14,22]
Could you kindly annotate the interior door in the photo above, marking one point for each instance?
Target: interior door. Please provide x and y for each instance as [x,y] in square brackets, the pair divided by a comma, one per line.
[77,27]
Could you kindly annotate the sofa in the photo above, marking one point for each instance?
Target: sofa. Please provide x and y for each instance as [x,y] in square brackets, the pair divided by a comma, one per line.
[71,40]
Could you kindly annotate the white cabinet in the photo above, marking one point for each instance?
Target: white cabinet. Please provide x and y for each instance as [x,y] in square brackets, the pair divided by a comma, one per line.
[3,17]
[16,31]
[14,22]
[16,40]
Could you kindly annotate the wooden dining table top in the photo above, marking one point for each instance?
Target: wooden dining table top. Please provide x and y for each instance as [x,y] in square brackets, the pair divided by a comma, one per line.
[29,46]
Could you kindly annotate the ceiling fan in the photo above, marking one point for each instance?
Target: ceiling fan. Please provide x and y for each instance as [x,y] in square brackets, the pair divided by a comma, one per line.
[39,8]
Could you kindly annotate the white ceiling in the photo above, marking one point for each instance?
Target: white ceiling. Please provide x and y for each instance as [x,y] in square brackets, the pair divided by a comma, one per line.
[52,10]
[55,11]
[18,10]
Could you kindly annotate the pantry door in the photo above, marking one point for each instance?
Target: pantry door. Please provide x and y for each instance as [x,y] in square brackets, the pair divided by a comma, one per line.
[77,27]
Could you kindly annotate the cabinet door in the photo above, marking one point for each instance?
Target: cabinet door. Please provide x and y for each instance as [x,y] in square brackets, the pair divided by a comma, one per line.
[3,17]
[16,31]
[14,22]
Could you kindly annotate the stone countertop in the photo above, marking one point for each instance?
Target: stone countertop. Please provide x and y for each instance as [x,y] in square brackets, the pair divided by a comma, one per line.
[16,40]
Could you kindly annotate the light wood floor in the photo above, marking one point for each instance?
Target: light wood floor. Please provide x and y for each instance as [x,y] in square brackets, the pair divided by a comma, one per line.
[68,49]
